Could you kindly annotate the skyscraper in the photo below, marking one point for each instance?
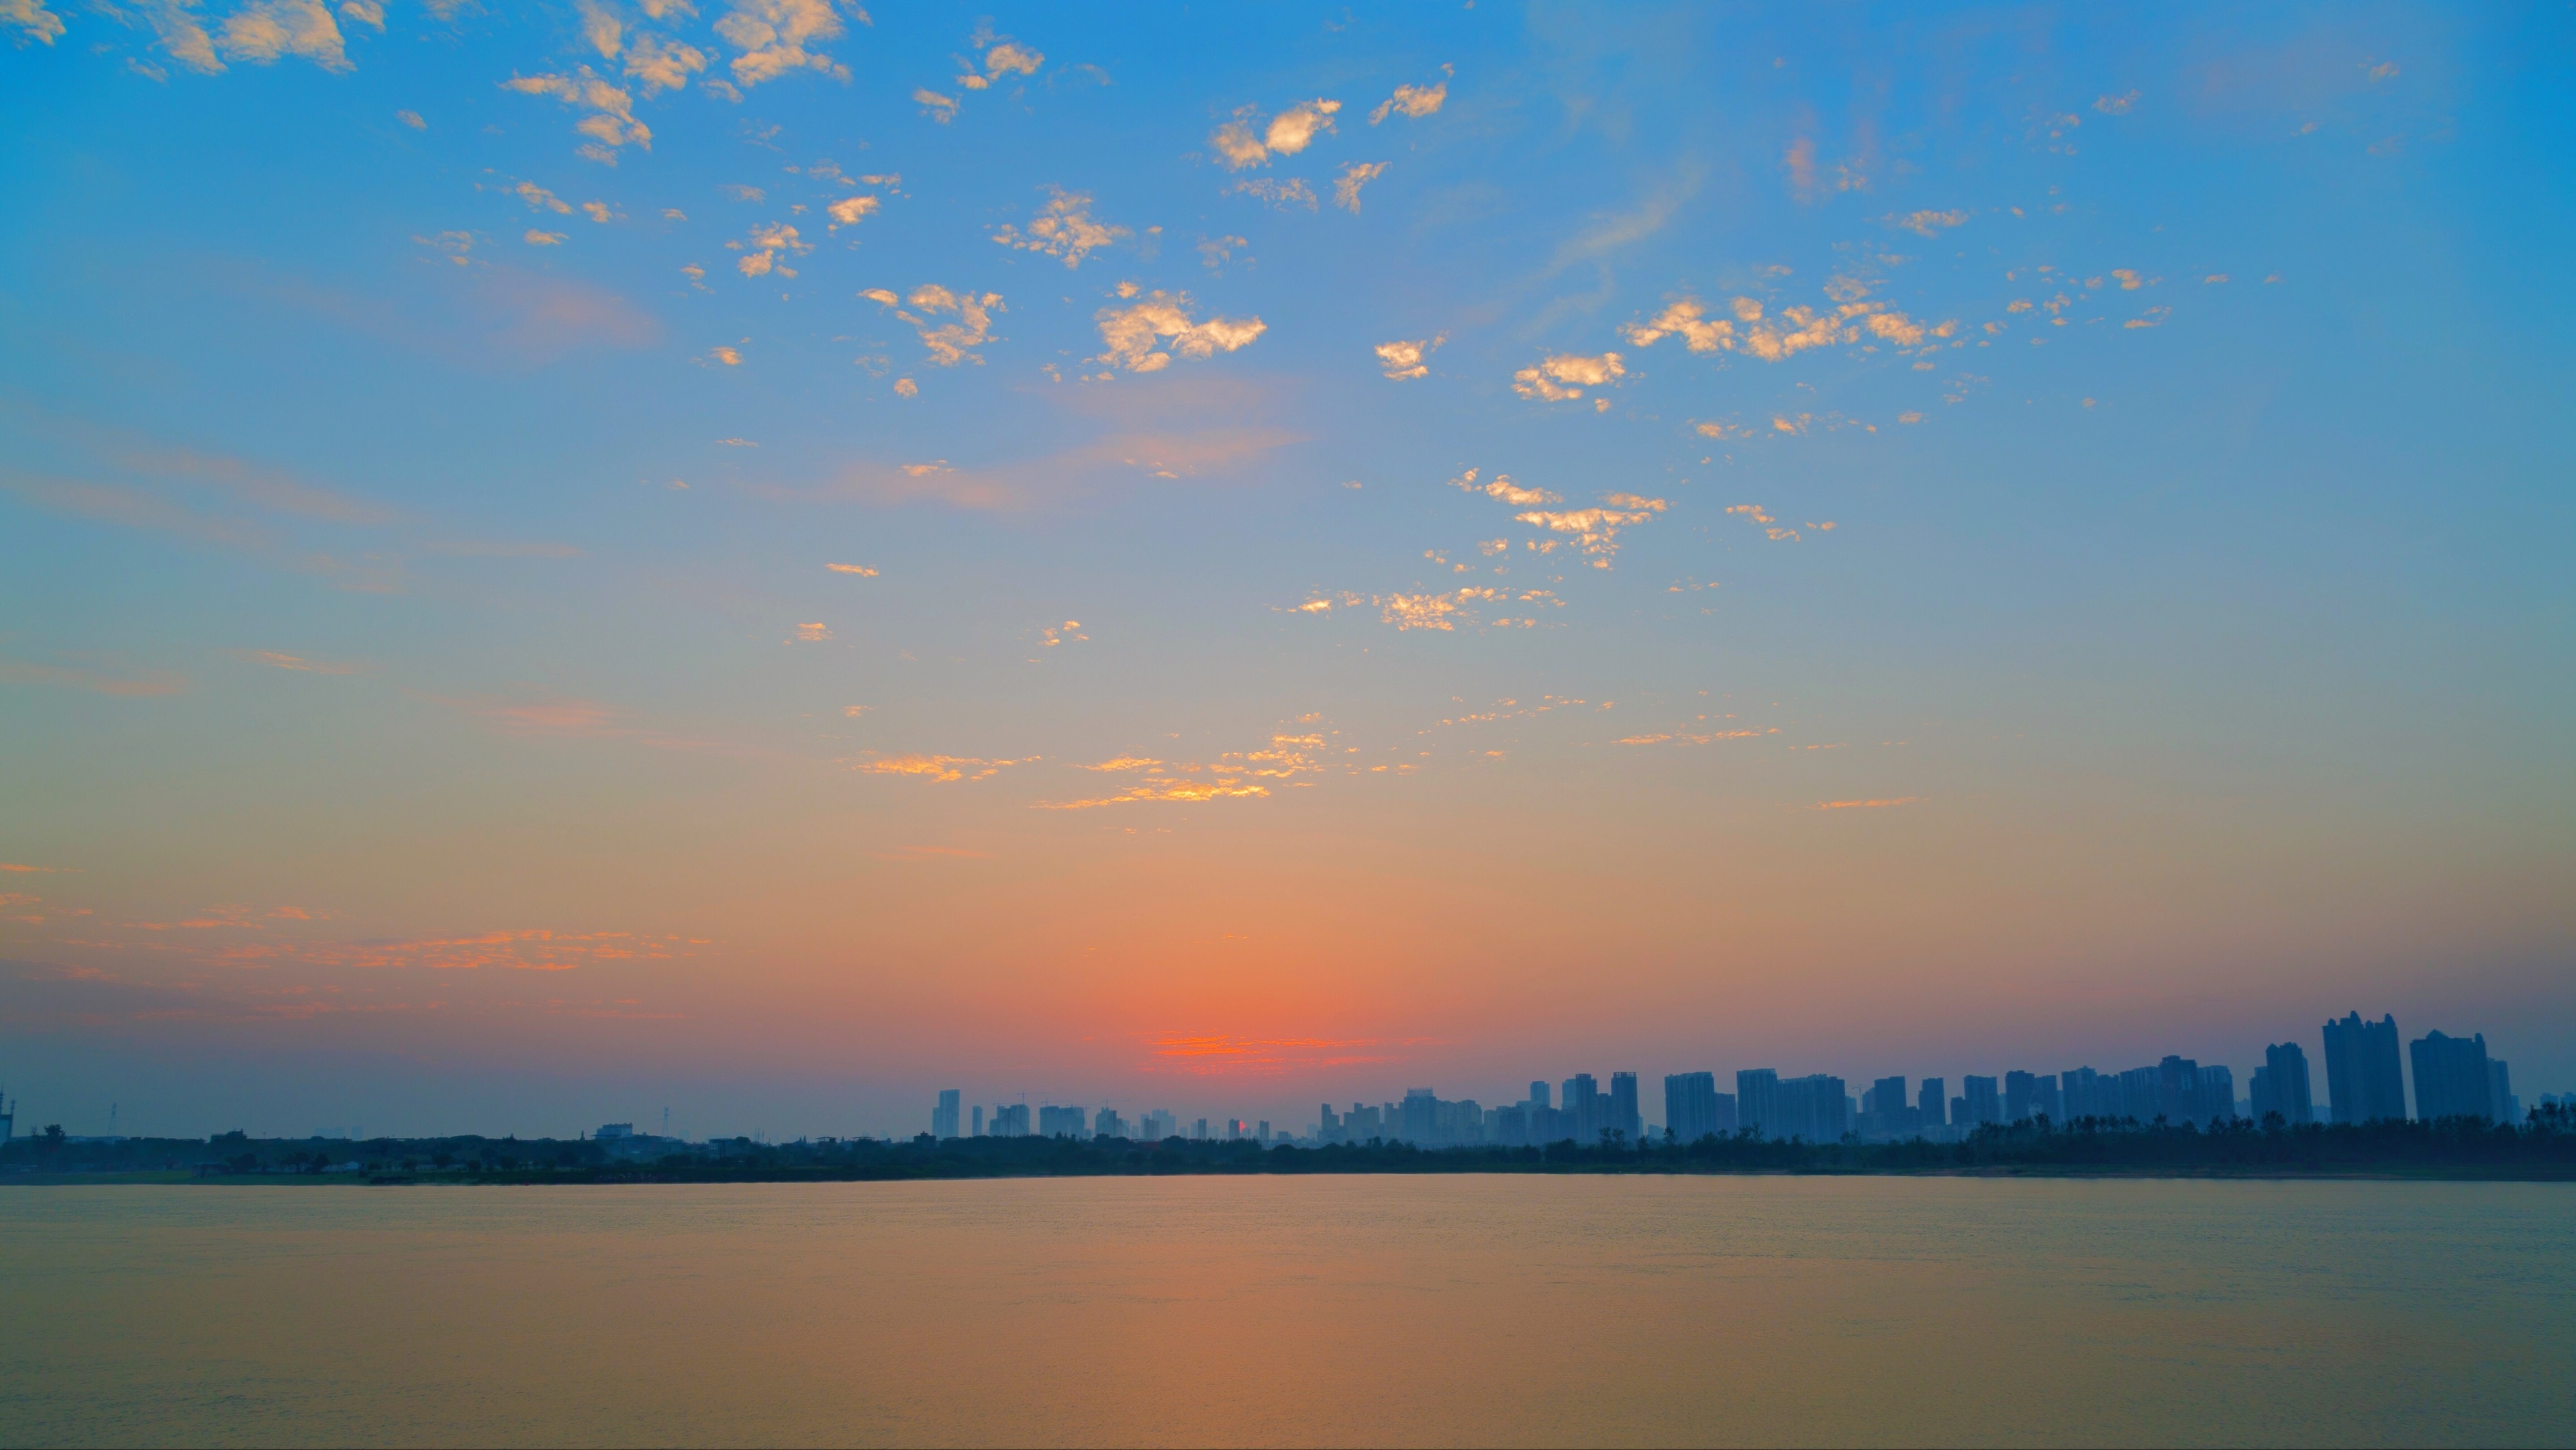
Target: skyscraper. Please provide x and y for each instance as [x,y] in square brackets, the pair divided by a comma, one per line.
[979,1120]
[943,1118]
[1690,1105]
[1985,1105]
[2021,1089]
[1813,1107]
[1933,1104]
[2281,1086]
[1624,1118]
[2452,1077]
[2364,1082]
[1757,1101]
[1421,1123]
[1538,1094]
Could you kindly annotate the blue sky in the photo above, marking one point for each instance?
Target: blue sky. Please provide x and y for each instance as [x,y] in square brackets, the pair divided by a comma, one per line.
[419,541]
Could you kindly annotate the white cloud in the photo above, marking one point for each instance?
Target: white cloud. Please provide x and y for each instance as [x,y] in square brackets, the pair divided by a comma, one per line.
[610,125]
[411,119]
[537,238]
[601,27]
[1288,133]
[1402,360]
[937,107]
[268,30]
[1281,194]
[772,34]
[663,65]
[1134,335]
[767,245]
[1925,223]
[1500,486]
[1687,318]
[950,343]
[1596,530]
[847,211]
[1064,228]
[1413,101]
[32,20]
[1564,376]
[1346,190]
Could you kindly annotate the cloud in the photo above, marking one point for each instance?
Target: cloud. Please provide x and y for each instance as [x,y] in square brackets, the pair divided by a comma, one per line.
[266,31]
[1064,227]
[730,357]
[1401,360]
[906,388]
[766,245]
[1675,737]
[180,37]
[1687,318]
[601,27]
[1596,530]
[537,238]
[1346,190]
[1234,775]
[31,20]
[1124,762]
[279,660]
[1564,376]
[2116,105]
[1810,184]
[939,769]
[1500,486]
[848,211]
[28,672]
[1412,101]
[1134,334]
[771,34]
[1289,132]
[937,107]
[950,343]
[862,570]
[663,65]
[598,211]
[611,122]
[1903,800]
[411,119]
[1282,195]
[1010,58]
[1925,223]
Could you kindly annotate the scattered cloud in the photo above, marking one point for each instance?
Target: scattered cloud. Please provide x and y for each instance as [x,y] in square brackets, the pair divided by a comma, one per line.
[1501,487]
[1925,223]
[862,570]
[537,238]
[1346,190]
[1413,101]
[848,211]
[1064,228]
[939,769]
[937,107]
[766,245]
[1596,530]
[772,36]
[1563,376]
[1239,145]
[660,65]
[1282,195]
[950,343]
[816,633]
[2116,105]
[1402,360]
[411,119]
[31,20]
[1137,336]
[1903,800]
[729,356]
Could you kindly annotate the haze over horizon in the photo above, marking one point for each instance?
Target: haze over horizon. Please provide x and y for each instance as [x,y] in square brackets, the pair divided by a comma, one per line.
[767,559]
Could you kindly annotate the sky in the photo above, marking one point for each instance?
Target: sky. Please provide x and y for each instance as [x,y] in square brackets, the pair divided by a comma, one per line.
[761,559]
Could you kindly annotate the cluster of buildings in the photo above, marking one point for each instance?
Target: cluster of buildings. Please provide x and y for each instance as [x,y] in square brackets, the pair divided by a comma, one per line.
[2365,1082]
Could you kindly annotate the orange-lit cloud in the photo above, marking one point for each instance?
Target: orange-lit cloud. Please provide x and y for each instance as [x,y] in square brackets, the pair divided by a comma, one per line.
[1903,800]
[940,769]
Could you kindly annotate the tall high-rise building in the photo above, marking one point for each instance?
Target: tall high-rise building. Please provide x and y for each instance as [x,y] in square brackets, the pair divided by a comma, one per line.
[1624,1117]
[1883,1109]
[2281,1086]
[1930,1102]
[2500,1092]
[2364,1082]
[979,1120]
[1062,1122]
[2452,1077]
[1011,1120]
[1107,1124]
[1421,1124]
[2021,1091]
[1690,1105]
[1757,1101]
[1985,1105]
[1814,1107]
[1538,1095]
[2217,1094]
[943,1118]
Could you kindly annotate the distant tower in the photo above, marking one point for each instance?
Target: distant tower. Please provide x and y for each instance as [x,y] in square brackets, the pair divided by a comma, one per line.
[2364,1083]
[943,1118]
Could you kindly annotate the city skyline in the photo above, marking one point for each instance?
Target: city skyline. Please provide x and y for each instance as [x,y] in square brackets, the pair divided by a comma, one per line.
[766,557]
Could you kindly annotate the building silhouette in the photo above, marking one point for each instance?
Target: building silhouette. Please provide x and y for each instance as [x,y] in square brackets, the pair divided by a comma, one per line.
[1930,1104]
[1757,1100]
[1624,1118]
[2453,1078]
[1690,1105]
[943,1118]
[1984,1104]
[2364,1082]
[2281,1086]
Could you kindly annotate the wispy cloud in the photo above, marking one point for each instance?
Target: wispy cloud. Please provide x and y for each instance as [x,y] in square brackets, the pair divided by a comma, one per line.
[1903,800]
[939,769]
[1063,228]
[29,672]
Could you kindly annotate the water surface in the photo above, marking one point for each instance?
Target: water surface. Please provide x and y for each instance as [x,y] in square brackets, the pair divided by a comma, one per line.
[1378,1310]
